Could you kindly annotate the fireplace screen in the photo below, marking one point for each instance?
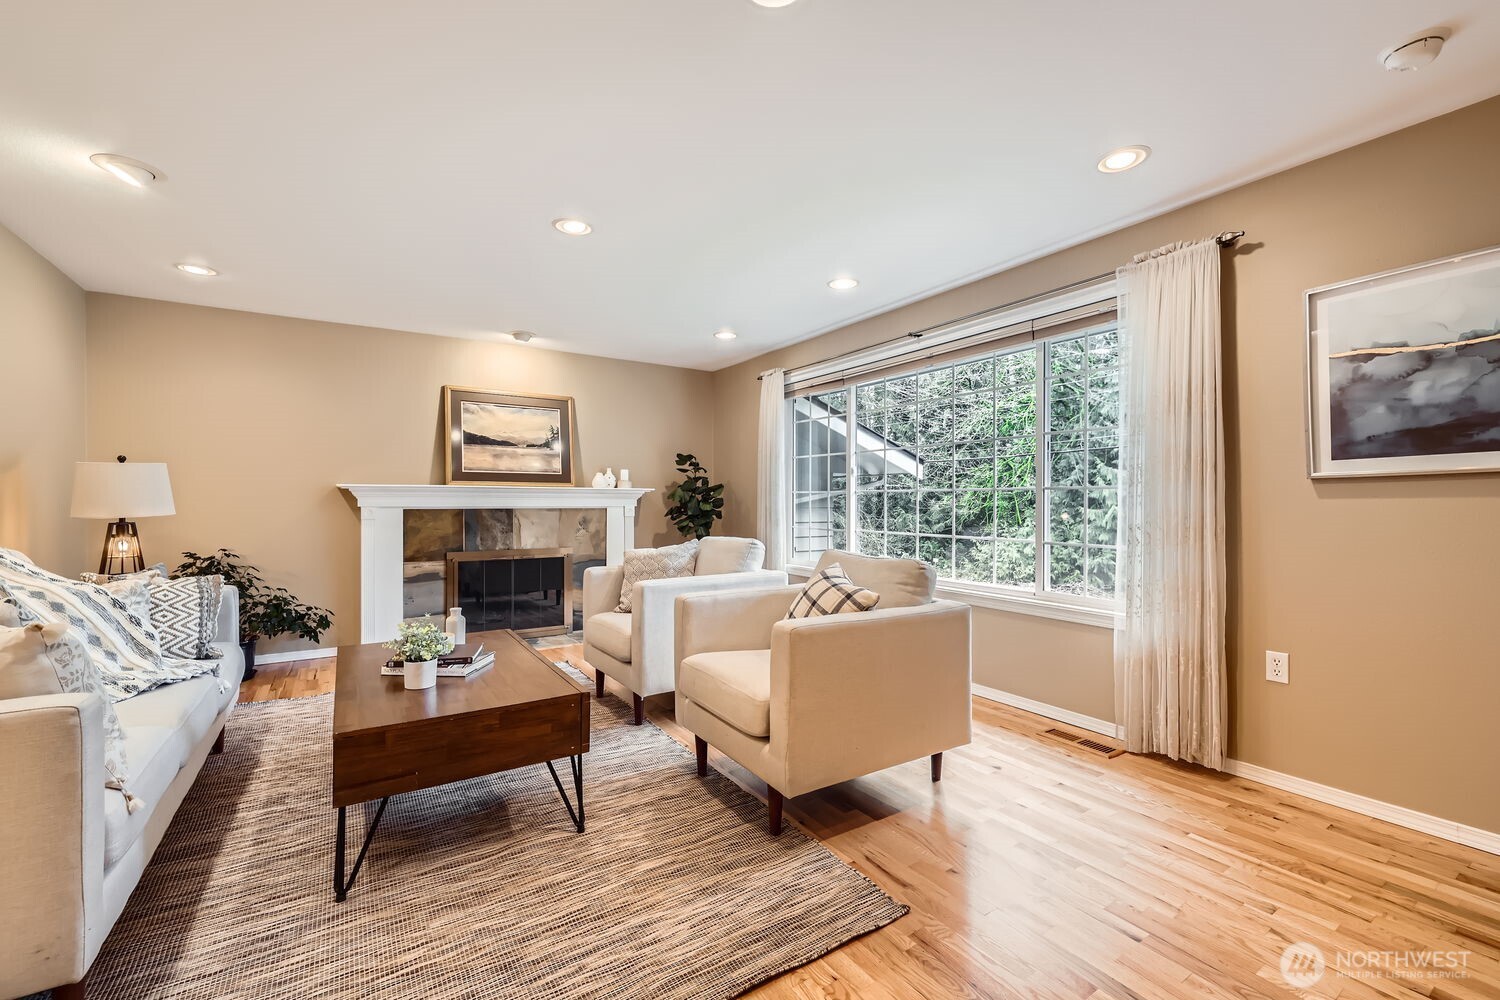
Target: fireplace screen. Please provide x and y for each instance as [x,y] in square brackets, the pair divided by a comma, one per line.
[527,590]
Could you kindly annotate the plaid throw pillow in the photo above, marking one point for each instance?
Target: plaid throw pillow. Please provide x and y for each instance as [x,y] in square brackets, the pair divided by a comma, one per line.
[830,592]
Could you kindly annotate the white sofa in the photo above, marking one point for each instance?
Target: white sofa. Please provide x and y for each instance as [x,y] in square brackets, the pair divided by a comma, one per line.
[71,853]
[807,703]
[635,647]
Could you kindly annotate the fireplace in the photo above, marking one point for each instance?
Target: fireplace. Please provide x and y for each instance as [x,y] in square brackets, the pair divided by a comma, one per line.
[527,590]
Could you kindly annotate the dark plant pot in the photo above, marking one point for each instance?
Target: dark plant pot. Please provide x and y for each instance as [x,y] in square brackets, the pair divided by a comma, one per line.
[248,648]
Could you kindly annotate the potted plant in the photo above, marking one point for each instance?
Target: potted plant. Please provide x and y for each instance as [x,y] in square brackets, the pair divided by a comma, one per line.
[696,504]
[419,644]
[265,611]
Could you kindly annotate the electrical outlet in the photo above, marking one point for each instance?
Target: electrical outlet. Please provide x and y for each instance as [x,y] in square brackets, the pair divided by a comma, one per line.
[1278,667]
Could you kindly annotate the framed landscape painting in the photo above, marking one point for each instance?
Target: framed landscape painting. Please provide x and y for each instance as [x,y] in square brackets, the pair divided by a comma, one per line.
[1404,370]
[504,437]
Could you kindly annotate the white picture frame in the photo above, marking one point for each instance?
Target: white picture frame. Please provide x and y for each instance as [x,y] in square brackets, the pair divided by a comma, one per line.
[1394,387]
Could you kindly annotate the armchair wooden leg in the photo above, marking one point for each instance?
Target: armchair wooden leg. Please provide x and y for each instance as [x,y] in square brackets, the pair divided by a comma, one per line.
[937,767]
[773,803]
[598,682]
[72,991]
[218,746]
[640,708]
[701,746]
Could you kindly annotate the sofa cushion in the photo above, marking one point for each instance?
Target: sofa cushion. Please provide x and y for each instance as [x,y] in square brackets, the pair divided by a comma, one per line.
[734,685]
[190,706]
[610,632]
[901,583]
[153,754]
[729,555]
[665,563]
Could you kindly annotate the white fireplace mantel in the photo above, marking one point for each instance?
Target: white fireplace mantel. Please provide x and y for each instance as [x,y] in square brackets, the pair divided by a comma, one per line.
[382,540]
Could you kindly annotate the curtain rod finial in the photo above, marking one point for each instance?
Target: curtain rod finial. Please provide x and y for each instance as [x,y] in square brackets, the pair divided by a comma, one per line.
[1230,238]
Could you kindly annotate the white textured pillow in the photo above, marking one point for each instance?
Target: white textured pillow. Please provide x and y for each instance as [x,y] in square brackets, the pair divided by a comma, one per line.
[830,592]
[50,659]
[665,563]
[729,555]
[185,614]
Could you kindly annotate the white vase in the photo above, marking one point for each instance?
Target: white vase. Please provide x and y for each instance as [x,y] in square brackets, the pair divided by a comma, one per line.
[418,676]
[609,479]
[624,482]
[600,482]
[456,625]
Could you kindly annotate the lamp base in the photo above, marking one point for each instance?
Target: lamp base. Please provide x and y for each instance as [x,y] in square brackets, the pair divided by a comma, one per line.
[122,549]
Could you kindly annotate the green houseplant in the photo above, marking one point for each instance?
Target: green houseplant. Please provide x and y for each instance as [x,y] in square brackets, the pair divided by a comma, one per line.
[696,503]
[265,611]
[419,644]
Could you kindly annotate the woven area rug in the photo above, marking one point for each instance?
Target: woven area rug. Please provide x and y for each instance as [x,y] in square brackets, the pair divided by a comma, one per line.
[479,889]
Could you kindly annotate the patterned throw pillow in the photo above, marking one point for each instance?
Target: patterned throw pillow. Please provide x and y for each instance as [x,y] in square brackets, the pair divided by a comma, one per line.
[151,574]
[830,592]
[185,613]
[133,593]
[51,659]
[656,564]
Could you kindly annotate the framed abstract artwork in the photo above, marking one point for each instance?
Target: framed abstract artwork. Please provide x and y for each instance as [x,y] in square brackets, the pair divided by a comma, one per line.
[508,438]
[1404,370]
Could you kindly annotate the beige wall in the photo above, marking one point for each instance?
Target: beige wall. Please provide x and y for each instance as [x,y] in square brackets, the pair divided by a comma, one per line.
[1382,591]
[259,416]
[42,337]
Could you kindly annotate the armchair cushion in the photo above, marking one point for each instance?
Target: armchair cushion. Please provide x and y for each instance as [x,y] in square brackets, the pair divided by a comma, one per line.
[664,563]
[729,555]
[830,592]
[901,583]
[610,631]
[734,685]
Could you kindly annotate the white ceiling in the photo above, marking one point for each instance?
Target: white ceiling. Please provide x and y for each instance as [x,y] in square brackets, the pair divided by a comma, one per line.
[397,164]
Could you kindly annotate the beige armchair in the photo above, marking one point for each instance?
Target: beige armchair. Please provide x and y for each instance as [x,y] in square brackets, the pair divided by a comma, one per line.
[808,703]
[635,647]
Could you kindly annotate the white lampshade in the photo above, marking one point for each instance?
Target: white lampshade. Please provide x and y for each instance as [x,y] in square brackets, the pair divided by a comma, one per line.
[109,490]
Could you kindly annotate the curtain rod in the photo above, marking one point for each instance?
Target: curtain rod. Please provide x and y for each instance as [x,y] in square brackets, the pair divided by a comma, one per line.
[1224,239]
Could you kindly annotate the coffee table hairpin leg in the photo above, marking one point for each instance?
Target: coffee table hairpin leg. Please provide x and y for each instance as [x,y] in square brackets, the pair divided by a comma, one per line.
[576,763]
[342,885]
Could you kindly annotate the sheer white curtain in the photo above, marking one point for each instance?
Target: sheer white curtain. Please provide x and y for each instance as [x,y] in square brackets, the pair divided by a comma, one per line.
[1169,654]
[771,500]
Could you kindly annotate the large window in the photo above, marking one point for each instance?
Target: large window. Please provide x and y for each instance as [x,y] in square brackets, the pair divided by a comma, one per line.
[999,470]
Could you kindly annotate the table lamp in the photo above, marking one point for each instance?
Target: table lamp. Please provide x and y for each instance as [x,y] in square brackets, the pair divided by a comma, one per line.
[115,492]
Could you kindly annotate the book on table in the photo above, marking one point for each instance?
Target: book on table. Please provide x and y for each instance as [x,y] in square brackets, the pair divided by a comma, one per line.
[465,659]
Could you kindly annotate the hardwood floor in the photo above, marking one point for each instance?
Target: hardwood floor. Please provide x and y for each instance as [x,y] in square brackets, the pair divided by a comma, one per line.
[1035,870]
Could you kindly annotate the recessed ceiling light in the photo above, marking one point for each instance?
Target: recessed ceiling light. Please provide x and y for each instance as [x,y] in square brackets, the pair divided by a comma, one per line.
[573,227]
[132,172]
[521,336]
[725,334]
[198,269]
[843,284]
[1122,159]
[773,3]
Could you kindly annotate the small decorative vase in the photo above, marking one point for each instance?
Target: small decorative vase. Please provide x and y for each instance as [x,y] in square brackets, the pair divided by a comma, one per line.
[624,482]
[609,479]
[456,625]
[600,482]
[417,676]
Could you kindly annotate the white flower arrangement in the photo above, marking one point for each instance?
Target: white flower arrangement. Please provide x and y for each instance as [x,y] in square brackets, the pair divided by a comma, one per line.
[418,642]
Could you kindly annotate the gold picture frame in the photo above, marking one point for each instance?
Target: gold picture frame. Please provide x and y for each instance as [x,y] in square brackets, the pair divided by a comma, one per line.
[508,438]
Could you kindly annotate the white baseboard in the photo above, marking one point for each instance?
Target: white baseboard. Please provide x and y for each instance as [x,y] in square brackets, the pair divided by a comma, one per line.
[294,655]
[1093,725]
[1411,819]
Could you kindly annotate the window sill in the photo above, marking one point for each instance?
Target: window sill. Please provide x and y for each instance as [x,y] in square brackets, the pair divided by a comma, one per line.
[1014,601]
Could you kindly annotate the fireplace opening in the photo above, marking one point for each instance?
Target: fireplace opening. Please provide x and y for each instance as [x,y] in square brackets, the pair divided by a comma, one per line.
[527,590]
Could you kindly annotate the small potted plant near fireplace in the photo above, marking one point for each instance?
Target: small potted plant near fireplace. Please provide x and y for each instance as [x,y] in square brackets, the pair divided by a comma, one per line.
[419,644]
[265,611]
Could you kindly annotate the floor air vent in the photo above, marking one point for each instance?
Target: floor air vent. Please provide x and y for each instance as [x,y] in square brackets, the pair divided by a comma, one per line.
[1084,742]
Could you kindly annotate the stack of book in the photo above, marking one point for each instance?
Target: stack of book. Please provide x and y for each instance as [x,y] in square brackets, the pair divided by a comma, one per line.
[466,658]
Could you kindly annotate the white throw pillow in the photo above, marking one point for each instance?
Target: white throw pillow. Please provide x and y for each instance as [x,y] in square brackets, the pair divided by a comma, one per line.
[50,659]
[665,563]
[185,614]
[729,555]
[830,592]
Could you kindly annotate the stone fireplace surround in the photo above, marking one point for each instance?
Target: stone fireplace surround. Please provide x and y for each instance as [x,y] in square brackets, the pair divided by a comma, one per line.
[383,519]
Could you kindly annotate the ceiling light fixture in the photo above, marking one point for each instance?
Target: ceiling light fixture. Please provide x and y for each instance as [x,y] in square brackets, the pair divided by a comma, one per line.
[1120,160]
[773,3]
[843,284]
[1414,53]
[197,269]
[132,172]
[521,336]
[725,334]
[572,227]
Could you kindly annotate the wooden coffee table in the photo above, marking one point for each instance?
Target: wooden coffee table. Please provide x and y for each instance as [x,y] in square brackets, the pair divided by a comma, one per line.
[521,710]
